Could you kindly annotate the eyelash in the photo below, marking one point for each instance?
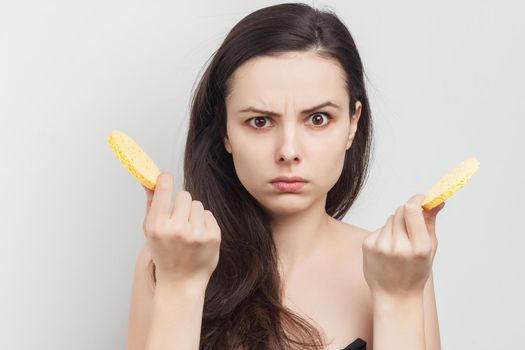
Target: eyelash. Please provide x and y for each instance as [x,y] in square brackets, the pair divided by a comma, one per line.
[328,115]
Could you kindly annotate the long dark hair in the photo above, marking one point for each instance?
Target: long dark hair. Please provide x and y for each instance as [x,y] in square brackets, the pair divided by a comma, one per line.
[243,300]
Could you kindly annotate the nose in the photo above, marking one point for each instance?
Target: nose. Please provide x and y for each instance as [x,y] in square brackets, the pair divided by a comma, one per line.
[288,149]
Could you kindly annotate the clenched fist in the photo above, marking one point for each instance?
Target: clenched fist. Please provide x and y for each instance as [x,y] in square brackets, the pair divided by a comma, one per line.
[183,237]
[398,257]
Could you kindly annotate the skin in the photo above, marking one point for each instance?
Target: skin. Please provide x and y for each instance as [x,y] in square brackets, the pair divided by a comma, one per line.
[312,146]
[311,245]
[347,281]
[291,145]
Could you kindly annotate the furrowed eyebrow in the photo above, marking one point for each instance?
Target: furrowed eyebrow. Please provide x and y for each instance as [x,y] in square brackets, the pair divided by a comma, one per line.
[275,114]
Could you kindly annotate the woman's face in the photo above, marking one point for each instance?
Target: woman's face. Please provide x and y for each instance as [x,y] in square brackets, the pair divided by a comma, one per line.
[291,143]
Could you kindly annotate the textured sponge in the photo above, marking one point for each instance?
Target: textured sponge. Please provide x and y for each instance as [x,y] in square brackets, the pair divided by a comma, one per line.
[450,183]
[138,163]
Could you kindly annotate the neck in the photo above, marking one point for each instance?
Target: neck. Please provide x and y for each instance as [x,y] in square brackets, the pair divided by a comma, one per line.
[299,236]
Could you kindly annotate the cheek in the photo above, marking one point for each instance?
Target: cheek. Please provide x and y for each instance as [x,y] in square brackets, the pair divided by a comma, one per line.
[329,161]
[248,161]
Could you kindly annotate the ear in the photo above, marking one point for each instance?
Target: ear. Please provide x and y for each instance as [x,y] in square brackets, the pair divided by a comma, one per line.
[227,145]
[354,119]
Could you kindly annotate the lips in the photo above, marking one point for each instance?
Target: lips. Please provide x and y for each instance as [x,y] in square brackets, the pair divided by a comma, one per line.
[288,179]
[284,186]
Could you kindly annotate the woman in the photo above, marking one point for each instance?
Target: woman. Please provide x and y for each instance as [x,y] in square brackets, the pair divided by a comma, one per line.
[242,259]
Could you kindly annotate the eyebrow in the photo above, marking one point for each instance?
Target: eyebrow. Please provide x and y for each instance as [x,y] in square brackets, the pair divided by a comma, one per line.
[275,114]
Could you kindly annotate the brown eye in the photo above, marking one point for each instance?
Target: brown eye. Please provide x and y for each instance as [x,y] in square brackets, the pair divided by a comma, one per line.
[259,122]
[317,120]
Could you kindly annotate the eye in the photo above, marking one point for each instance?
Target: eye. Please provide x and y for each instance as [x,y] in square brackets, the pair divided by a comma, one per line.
[260,121]
[328,117]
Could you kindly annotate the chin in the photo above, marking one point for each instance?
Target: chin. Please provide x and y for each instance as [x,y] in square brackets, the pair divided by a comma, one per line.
[285,206]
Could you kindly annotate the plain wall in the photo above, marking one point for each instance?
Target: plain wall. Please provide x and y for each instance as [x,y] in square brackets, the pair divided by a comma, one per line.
[445,81]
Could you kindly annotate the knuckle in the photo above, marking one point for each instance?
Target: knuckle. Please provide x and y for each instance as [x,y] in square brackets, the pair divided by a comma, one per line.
[419,254]
[210,217]
[214,236]
[197,231]
[178,228]
[421,251]
[153,231]
[184,195]
[216,231]
[193,241]
[383,248]
[159,229]
[381,251]
[197,204]
[149,227]
[411,207]
[370,239]
[402,250]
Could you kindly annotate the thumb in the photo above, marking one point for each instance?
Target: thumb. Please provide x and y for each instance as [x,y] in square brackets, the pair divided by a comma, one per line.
[149,197]
[434,211]
[430,219]
[431,214]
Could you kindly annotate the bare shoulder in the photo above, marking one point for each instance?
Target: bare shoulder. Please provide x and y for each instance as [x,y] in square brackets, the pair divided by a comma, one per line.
[359,233]
[349,242]
[347,245]
[350,234]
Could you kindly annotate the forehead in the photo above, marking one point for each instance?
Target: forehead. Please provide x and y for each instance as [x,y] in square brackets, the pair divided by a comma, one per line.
[304,77]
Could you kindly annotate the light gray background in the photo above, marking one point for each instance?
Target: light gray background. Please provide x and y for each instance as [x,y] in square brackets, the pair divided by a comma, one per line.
[445,80]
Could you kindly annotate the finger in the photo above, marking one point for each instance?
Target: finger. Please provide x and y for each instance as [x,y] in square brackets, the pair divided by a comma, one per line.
[400,230]
[161,202]
[210,223]
[197,216]
[430,218]
[434,211]
[384,240]
[371,238]
[149,198]
[414,220]
[182,207]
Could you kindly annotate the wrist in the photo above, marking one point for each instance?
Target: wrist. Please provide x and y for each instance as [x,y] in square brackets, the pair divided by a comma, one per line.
[407,301]
[397,296]
[186,288]
[399,321]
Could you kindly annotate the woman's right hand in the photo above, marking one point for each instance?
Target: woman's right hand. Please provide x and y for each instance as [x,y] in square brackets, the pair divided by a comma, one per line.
[184,238]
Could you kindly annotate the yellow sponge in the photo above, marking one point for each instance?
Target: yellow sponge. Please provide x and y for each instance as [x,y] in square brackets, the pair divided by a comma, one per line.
[138,163]
[450,183]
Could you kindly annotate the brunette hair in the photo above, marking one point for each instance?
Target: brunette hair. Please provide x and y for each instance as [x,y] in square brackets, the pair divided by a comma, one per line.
[243,301]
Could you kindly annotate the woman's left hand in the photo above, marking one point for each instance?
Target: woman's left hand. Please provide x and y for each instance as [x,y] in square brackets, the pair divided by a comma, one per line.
[398,257]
